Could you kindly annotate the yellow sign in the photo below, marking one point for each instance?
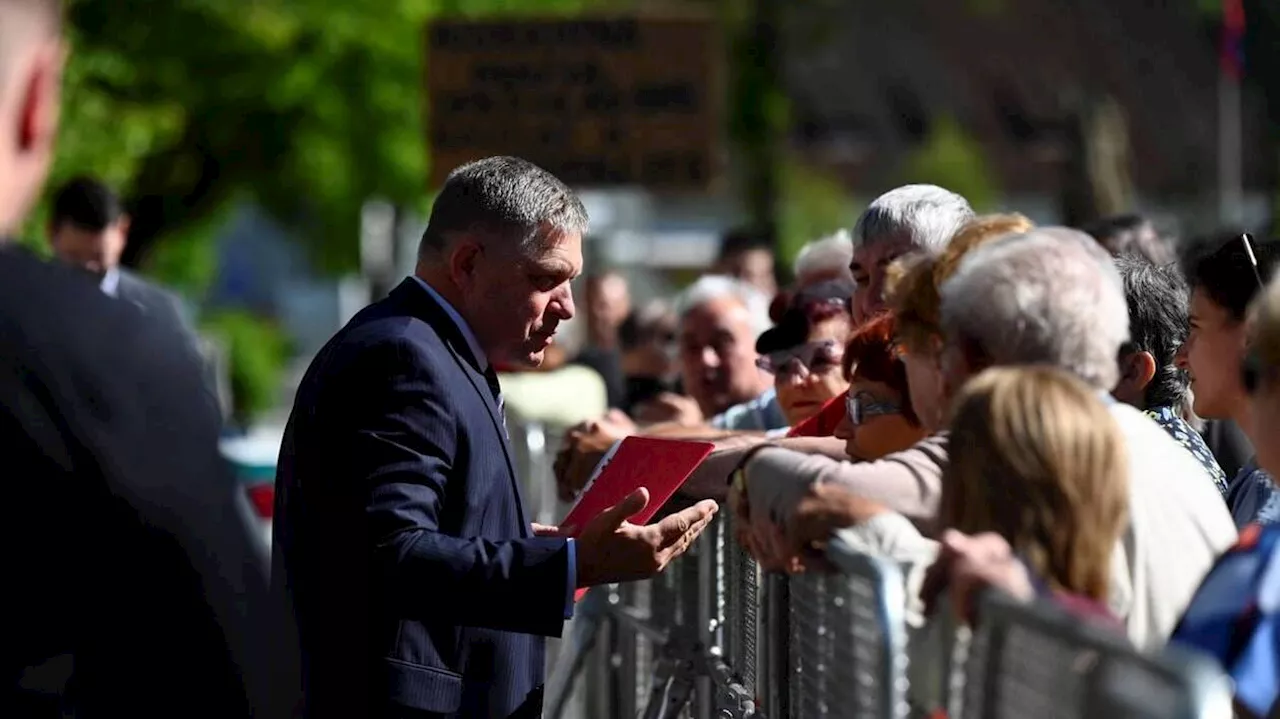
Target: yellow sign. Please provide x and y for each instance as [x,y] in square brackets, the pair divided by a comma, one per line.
[598,102]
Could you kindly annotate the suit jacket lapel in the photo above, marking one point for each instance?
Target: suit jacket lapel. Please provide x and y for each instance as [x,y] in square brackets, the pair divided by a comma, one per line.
[423,306]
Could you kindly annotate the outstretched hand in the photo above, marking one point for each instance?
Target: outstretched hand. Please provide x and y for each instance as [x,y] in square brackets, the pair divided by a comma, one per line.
[611,549]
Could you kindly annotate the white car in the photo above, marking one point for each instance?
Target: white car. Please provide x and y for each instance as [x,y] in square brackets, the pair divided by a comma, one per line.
[253,461]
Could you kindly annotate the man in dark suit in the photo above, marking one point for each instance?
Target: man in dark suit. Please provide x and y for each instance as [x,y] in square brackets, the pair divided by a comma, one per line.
[420,587]
[125,550]
[89,229]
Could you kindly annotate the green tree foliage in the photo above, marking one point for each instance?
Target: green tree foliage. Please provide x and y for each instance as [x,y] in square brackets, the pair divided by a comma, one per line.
[307,107]
[951,158]
[256,353]
[812,205]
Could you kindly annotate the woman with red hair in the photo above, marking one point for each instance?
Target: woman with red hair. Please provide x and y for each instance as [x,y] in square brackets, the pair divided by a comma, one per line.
[878,418]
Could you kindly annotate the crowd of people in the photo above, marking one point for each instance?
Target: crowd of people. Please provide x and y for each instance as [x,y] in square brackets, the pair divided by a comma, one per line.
[1081,417]
[1055,413]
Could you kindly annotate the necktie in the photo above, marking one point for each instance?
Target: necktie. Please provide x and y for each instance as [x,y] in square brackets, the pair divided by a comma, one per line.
[492,378]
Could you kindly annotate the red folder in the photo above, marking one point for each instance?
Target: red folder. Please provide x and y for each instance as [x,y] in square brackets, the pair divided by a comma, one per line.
[659,465]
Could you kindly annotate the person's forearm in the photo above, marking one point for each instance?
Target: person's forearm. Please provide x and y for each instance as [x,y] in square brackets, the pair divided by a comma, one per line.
[699,432]
[710,479]
[907,484]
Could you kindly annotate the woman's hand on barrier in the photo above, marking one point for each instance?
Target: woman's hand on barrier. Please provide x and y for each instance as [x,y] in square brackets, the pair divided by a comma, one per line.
[825,508]
[966,565]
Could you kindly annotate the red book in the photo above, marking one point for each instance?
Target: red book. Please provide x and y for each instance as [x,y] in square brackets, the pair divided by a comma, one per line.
[659,465]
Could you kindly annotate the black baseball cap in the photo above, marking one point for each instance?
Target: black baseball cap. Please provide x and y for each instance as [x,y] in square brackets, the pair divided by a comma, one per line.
[792,328]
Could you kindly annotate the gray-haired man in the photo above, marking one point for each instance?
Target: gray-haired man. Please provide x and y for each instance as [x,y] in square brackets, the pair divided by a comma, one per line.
[902,220]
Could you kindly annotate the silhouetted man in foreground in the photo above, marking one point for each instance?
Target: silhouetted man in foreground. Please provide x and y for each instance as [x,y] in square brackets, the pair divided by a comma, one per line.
[124,544]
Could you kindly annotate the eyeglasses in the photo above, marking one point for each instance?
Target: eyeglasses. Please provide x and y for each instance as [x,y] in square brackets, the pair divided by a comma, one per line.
[815,357]
[861,406]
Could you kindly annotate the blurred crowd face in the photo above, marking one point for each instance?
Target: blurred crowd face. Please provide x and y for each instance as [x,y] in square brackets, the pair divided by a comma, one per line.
[809,376]
[608,304]
[95,251]
[755,267]
[718,356]
[870,261]
[873,425]
[516,298]
[31,61]
[1212,355]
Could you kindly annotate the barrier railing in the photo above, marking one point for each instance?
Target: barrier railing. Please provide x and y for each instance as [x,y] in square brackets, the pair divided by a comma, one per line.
[714,637]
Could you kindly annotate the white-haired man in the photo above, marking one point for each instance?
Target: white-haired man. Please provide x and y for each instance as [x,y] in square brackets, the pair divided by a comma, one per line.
[902,220]
[1054,297]
[719,320]
[826,258]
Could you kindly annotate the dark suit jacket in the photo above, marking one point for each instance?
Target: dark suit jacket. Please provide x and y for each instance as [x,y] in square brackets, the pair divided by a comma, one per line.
[124,547]
[154,301]
[164,307]
[400,535]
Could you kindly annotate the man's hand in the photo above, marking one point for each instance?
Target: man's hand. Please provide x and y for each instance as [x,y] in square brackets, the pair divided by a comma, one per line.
[584,446]
[546,530]
[966,565]
[611,549]
[672,408]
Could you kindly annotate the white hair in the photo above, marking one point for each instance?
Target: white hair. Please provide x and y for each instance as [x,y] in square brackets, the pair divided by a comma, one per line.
[714,287]
[826,255]
[1050,296]
[927,214]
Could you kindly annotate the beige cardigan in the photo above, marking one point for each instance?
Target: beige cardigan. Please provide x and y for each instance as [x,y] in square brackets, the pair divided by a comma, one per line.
[1178,521]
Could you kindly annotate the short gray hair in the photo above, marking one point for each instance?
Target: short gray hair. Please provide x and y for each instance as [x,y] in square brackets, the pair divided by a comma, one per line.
[828,254]
[926,214]
[1050,296]
[504,197]
[714,287]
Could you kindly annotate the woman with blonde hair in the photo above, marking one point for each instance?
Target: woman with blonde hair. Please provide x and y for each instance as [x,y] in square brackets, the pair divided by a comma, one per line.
[1037,461]
[1037,458]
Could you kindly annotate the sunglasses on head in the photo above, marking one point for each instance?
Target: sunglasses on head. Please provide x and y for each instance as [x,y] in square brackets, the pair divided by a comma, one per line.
[1247,240]
[811,357]
[1252,369]
[861,406]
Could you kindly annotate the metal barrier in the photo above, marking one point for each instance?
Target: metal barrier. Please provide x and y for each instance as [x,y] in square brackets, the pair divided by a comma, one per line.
[848,639]
[1033,660]
[715,637]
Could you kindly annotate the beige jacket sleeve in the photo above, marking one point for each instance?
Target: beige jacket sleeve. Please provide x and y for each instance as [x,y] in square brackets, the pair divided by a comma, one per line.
[907,482]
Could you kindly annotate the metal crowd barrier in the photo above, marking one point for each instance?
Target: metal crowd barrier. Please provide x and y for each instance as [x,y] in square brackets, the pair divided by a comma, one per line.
[849,639]
[1033,660]
[715,637]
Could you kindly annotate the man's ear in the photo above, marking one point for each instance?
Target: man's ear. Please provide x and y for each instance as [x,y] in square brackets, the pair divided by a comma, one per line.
[1137,369]
[464,256]
[1141,368]
[124,223]
[39,99]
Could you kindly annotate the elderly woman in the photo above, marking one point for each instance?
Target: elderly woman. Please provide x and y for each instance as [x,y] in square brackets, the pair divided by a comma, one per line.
[878,418]
[804,351]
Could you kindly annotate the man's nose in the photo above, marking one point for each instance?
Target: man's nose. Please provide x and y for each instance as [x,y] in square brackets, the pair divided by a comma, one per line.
[709,357]
[564,304]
